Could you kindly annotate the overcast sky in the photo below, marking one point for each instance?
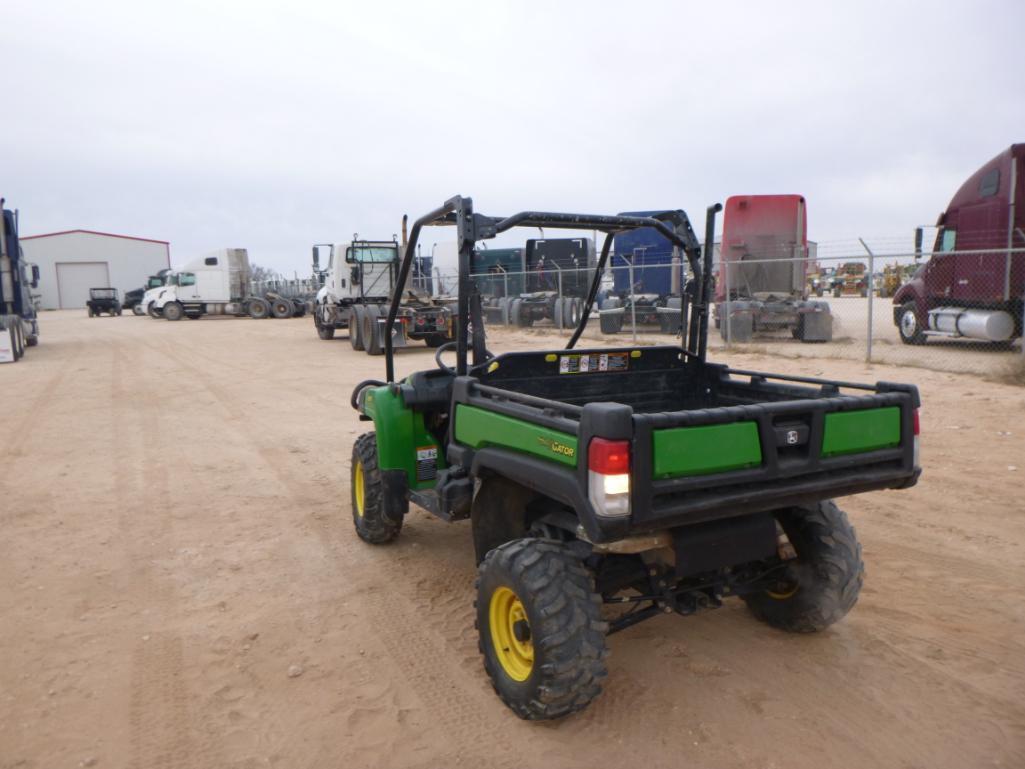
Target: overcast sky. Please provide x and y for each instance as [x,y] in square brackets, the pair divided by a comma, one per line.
[276,125]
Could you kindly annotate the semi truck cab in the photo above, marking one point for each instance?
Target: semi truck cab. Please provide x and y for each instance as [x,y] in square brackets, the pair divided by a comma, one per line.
[973,283]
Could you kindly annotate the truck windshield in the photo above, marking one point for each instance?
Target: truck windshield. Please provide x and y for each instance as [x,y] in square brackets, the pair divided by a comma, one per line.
[371,254]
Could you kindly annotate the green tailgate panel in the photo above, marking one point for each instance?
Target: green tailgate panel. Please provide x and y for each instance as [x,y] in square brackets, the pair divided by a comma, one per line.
[701,450]
[479,428]
[853,432]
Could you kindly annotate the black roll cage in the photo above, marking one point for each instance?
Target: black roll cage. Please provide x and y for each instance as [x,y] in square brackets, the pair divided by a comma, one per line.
[472,227]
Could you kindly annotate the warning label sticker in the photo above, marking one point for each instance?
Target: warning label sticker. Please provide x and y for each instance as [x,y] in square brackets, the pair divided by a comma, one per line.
[426,463]
[594,363]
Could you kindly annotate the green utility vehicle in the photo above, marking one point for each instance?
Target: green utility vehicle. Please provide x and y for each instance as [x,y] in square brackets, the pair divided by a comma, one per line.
[607,486]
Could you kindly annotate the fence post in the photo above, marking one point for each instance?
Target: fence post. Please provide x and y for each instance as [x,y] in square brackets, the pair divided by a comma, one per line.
[871,291]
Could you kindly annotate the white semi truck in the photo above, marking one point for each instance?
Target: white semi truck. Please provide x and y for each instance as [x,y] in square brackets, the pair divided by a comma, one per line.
[356,288]
[217,283]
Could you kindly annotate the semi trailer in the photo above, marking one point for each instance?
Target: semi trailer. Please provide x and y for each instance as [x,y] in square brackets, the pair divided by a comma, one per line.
[973,283]
[763,283]
[19,325]
[359,278]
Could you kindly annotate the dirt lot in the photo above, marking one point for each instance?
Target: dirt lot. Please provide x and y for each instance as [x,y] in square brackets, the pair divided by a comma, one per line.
[176,538]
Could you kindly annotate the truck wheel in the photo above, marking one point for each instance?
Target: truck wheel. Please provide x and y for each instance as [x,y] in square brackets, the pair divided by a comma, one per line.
[118,310]
[822,583]
[436,340]
[138,309]
[323,331]
[559,313]
[91,313]
[540,628]
[910,328]
[372,331]
[368,509]
[152,310]
[569,308]
[519,315]
[836,292]
[173,311]
[258,308]
[282,308]
[32,340]
[356,327]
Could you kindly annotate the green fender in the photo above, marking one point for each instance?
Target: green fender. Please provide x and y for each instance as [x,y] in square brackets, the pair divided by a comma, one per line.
[403,442]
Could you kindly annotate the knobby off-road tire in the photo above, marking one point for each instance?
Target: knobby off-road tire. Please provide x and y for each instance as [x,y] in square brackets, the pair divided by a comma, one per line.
[368,510]
[540,628]
[822,584]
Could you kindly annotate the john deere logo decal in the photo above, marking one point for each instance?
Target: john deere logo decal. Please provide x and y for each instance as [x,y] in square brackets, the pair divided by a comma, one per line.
[556,447]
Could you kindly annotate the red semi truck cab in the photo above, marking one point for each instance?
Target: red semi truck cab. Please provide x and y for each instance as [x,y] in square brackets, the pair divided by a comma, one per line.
[973,284]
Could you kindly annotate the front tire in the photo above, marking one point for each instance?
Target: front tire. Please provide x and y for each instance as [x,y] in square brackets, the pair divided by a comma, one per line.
[820,585]
[909,326]
[369,515]
[540,628]
[173,311]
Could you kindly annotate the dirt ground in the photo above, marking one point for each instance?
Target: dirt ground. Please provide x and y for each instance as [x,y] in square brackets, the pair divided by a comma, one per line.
[180,586]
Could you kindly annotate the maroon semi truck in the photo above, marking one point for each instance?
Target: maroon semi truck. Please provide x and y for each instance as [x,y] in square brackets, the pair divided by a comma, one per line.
[973,284]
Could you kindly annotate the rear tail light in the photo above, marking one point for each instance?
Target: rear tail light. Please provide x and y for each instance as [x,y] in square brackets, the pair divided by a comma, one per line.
[917,431]
[608,477]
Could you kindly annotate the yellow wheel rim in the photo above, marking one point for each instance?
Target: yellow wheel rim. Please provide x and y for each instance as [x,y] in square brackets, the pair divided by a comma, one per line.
[784,593]
[510,634]
[358,488]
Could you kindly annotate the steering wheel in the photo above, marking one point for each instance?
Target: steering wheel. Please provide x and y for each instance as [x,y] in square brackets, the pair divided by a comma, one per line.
[488,356]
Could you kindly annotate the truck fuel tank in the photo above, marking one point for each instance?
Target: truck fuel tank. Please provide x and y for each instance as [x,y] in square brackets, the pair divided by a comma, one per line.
[988,325]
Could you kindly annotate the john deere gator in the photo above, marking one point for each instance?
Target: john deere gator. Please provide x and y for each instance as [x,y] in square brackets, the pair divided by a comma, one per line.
[606,486]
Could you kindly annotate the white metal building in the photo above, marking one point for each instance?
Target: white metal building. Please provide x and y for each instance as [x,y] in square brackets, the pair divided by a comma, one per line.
[72,262]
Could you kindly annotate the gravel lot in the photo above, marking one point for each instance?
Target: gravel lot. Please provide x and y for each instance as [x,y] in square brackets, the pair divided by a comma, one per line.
[181,586]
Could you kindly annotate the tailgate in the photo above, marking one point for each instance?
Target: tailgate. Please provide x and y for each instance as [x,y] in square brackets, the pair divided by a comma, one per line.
[697,465]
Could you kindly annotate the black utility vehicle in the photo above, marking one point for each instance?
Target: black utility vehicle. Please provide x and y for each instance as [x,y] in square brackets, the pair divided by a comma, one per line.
[103,300]
[605,486]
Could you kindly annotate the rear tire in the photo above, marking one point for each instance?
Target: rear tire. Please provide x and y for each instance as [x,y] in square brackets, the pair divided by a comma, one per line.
[372,331]
[282,308]
[258,308]
[822,584]
[138,309]
[368,492]
[173,311]
[540,628]
[356,327]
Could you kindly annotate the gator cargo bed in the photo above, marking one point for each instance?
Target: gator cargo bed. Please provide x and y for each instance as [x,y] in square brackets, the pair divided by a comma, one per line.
[707,441]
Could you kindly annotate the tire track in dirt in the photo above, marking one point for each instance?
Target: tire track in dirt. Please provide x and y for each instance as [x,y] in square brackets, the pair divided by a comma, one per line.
[454,698]
[162,731]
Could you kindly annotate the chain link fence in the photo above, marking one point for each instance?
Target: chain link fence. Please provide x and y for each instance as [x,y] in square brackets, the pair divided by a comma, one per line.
[877,302]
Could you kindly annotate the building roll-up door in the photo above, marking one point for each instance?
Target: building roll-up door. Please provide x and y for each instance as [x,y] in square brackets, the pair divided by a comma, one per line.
[74,279]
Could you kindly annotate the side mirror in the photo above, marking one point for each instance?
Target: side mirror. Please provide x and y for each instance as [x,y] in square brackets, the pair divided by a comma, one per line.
[354,275]
[918,243]
[35,276]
